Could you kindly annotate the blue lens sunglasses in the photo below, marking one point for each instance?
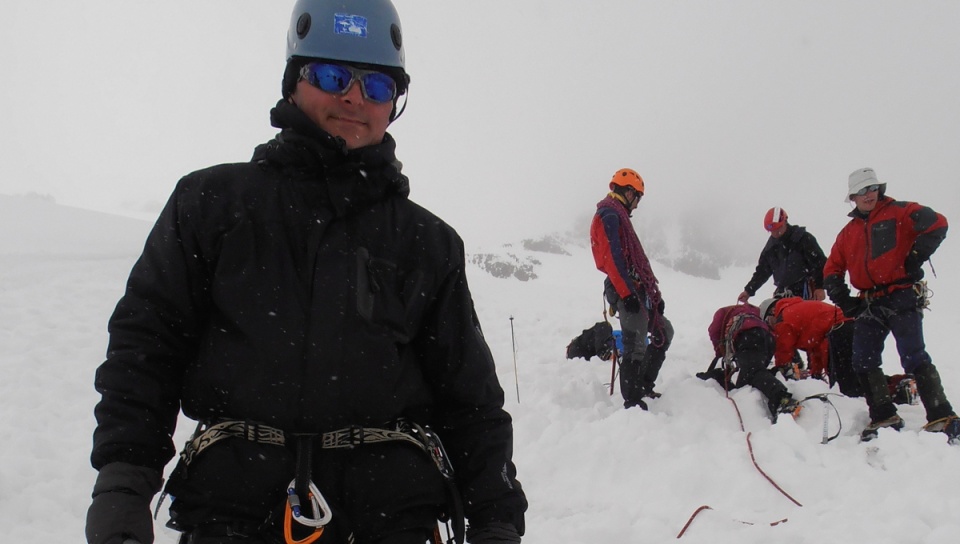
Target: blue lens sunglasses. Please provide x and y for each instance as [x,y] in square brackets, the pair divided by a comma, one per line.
[337,78]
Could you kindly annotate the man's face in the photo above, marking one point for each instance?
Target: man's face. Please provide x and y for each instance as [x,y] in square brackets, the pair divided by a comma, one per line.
[350,116]
[778,232]
[866,202]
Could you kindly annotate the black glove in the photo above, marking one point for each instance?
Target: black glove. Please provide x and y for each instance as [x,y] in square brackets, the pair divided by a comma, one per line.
[121,505]
[661,306]
[493,533]
[631,304]
[851,306]
[913,266]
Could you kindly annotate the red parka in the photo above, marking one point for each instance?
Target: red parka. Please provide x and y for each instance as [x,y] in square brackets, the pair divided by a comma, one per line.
[874,249]
[803,325]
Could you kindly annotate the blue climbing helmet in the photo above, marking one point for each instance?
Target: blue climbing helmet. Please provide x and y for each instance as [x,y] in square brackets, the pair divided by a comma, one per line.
[361,32]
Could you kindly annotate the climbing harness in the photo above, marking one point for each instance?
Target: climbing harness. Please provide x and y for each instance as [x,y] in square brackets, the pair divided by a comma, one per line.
[305,504]
[253,432]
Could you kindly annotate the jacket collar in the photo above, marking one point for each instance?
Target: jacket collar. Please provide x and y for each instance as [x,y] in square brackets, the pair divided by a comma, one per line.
[354,179]
[882,202]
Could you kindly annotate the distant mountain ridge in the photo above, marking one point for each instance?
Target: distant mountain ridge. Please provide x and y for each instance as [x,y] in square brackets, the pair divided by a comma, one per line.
[690,252]
[35,225]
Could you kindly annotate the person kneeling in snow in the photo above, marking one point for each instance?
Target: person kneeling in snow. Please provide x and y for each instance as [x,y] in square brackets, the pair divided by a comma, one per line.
[818,328]
[743,340]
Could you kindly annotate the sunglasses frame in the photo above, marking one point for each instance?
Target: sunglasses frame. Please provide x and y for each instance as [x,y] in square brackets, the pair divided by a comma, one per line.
[868,189]
[357,75]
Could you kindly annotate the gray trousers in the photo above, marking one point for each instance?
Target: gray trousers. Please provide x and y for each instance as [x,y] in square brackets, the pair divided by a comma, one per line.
[640,364]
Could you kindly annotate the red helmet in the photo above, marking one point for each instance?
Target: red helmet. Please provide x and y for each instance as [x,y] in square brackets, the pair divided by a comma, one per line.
[626,177]
[775,218]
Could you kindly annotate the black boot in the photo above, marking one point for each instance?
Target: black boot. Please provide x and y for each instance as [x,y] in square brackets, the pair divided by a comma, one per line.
[772,389]
[931,393]
[631,383]
[883,413]
[784,404]
[650,369]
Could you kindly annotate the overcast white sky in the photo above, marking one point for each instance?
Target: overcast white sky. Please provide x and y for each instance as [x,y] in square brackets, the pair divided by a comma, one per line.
[519,111]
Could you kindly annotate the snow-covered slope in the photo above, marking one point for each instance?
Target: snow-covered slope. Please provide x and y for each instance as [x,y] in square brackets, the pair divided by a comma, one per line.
[592,471]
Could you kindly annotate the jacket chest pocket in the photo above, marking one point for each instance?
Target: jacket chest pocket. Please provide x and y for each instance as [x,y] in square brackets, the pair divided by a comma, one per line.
[883,237]
[388,297]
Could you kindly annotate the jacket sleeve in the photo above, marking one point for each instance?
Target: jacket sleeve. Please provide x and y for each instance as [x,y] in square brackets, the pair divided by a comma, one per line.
[834,272]
[931,228]
[762,272]
[153,333]
[814,257]
[476,431]
[613,262]
[786,337]
[819,357]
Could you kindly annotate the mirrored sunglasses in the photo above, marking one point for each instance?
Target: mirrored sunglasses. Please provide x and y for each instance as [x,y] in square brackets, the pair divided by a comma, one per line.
[868,189]
[337,79]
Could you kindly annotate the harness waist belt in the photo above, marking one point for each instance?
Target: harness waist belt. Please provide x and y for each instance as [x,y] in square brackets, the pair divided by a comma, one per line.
[349,437]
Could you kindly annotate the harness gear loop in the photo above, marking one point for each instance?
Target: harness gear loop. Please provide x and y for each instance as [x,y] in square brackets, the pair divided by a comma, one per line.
[401,430]
[302,485]
[924,294]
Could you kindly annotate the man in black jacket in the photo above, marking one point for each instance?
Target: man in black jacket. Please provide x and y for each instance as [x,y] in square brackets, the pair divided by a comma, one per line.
[794,259]
[316,324]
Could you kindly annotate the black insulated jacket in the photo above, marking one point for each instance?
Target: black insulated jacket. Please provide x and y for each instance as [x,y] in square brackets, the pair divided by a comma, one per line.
[305,291]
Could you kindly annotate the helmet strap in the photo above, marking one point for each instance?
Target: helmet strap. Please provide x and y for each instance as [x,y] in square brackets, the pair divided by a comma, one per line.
[395,114]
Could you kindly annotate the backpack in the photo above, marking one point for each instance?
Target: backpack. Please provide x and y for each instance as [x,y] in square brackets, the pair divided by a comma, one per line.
[598,341]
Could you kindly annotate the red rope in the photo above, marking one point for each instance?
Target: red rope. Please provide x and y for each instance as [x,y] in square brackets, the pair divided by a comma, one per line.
[689,521]
[752,458]
[705,507]
[769,479]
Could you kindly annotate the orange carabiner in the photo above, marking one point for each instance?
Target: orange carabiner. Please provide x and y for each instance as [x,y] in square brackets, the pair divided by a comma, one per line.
[288,528]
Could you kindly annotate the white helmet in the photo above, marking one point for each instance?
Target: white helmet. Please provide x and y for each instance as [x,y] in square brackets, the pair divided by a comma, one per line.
[767,306]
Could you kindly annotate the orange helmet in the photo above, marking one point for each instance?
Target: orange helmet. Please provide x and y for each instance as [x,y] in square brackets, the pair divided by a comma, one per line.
[775,218]
[626,177]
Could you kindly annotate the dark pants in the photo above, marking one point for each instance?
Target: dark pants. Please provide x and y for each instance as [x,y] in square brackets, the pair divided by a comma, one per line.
[753,352]
[841,360]
[641,363]
[898,313]
[895,313]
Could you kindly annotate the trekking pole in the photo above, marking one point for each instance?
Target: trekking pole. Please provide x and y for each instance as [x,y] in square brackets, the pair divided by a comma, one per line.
[516,377]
